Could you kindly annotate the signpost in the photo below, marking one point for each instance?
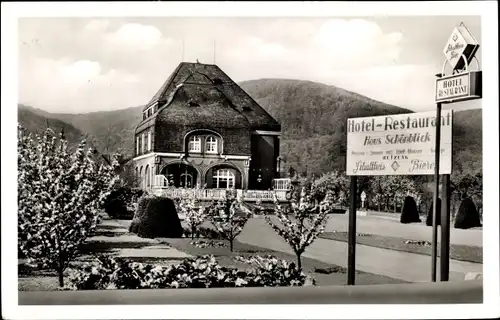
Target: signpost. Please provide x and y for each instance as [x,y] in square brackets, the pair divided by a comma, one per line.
[406,144]
[461,85]
[402,144]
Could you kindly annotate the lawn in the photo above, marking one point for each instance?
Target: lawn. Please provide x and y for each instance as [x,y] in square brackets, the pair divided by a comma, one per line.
[457,251]
[112,238]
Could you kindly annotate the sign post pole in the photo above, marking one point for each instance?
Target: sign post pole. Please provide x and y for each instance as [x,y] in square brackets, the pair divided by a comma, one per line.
[351,254]
[444,261]
[437,152]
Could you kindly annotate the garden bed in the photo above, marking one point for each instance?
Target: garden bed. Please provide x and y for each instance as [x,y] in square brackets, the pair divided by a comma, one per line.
[312,267]
[457,252]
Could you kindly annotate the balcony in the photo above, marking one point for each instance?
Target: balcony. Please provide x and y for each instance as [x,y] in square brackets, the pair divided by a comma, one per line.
[160,188]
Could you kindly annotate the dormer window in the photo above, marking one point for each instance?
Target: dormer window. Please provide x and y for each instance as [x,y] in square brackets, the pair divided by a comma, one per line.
[194,144]
[144,116]
[211,145]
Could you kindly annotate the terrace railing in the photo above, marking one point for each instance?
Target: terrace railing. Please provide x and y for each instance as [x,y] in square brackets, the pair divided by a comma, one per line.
[161,188]
[218,194]
[281,184]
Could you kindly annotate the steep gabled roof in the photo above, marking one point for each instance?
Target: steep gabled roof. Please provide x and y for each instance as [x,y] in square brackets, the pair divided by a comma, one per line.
[195,105]
[211,75]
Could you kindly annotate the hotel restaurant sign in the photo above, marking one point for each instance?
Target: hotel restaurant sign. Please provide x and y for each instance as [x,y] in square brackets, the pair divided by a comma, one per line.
[464,84]
[398,144]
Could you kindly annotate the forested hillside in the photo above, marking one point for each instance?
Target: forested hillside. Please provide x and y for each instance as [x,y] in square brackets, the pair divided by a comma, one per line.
[313,118]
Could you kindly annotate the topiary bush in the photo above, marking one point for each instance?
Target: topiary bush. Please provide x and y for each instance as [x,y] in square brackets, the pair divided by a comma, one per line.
[428,221]
[467,216]
[157,218]
[410,211]
[142,205]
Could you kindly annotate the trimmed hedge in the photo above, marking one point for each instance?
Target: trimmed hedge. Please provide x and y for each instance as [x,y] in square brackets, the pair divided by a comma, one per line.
[142,205]
[428,221]
[203,232]
[117,203]
[156,217]
[410,211]
[467,216]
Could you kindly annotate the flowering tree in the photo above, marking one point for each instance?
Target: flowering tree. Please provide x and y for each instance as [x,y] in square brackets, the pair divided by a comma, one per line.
[335,183]
[223,215]
[60,193]
[300,223]
[193,212]
[386,189]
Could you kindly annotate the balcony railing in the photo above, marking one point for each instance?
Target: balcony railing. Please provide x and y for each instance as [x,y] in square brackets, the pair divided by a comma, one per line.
[217,194]
[161,188]
[161,181]
[281,184]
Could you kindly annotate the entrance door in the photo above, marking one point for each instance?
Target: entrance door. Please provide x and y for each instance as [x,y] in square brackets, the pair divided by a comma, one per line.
[180,175]
[186,180]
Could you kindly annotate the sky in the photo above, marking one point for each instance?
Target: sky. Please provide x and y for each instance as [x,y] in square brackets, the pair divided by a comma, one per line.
[78,65]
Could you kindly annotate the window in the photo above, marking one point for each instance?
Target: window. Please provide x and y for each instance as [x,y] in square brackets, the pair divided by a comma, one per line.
[137,145]
[143,142]
[194,144]
[144,116]
[149,140]
[211,145]
[224,179]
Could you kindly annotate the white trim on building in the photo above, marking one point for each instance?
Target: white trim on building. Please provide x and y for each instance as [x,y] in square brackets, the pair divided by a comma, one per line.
[149,140]
[267,133]
[178,155]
